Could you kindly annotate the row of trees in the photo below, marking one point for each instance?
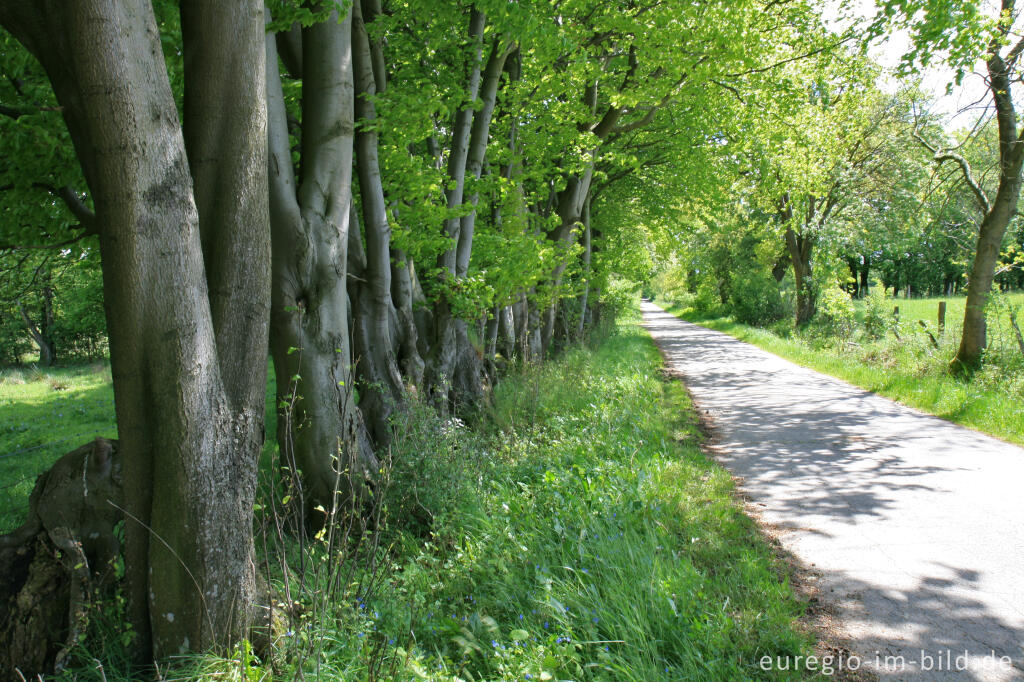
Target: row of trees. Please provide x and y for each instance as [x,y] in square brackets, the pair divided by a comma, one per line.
[387,198]
[392,198]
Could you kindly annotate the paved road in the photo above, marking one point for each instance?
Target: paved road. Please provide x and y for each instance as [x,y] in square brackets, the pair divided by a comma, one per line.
[916,525]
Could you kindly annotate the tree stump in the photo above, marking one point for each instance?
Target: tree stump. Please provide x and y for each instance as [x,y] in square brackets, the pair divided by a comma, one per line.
[49,566]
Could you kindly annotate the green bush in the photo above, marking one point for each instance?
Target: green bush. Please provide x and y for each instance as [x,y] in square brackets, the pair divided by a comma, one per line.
[835,313]
[755,298]
[618,298]
[876,321]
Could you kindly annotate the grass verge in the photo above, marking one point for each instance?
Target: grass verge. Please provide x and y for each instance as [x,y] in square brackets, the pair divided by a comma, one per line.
[576,532]
[908,368]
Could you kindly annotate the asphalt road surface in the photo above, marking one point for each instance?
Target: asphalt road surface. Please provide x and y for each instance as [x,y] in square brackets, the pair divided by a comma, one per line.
[914,526]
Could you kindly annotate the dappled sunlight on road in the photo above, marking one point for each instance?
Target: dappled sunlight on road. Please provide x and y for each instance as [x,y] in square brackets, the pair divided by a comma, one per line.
[915,525]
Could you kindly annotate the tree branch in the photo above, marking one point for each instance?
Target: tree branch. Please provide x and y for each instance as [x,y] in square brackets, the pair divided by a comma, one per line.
[75,204]
[940,155]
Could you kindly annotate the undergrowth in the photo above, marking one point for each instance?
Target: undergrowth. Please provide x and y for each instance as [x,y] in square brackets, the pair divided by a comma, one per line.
[576,532]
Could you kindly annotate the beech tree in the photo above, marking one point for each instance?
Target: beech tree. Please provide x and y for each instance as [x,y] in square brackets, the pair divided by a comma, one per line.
[321,432]
[186,285]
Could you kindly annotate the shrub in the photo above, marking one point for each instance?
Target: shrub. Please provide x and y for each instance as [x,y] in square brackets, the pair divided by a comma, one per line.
[876,321]
[618,299]
[835,312]
[755,298]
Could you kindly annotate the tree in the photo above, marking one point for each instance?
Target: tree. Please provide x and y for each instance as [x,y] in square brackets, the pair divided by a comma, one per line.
[186,284]
[964,33]
[321,433]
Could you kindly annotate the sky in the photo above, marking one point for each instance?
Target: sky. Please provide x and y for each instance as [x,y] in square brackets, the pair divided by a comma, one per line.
[960,108]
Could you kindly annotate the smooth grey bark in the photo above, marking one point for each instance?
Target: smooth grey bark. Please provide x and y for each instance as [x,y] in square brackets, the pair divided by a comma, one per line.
[410,359]
[321,432]
[405,341]
[520,328]
[381,388]
[188,421]
[586,256]
[448,372]
[506,341]
[570,205]
[479,137]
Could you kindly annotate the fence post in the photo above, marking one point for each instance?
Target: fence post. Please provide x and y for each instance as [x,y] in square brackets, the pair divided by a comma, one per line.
[942,317]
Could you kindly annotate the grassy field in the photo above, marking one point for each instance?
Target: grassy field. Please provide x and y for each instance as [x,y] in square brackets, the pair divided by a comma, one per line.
[908,367]
[577,532]
[44,414]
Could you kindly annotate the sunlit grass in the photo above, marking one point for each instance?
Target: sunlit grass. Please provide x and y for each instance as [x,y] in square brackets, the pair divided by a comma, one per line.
[578,533]
[909,368]
[45,413]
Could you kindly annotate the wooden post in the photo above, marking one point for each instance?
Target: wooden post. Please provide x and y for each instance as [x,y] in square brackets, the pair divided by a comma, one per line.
[942,317]
[896,321]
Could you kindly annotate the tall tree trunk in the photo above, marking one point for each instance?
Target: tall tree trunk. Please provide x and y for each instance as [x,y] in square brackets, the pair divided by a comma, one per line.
[800,248]
[189,417]
[448,335]
[402,295]
[381,388]
[321,432]
[42,333]
[997,218]
[587,251]
[506,343]
[571,201]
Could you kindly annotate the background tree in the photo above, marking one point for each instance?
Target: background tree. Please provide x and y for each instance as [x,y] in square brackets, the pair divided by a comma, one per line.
[961,34]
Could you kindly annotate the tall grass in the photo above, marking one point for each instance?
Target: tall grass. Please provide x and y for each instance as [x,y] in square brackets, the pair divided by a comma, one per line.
[575,532]
[578,533]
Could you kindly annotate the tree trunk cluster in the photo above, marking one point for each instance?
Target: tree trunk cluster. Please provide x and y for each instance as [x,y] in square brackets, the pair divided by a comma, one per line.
[257,223]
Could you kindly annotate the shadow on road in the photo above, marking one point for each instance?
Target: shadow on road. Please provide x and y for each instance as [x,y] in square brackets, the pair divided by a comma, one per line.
[914,524]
